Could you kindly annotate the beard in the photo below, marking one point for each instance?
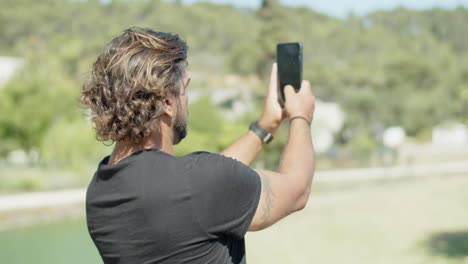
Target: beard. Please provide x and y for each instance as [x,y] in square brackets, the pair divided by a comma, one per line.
[180,126]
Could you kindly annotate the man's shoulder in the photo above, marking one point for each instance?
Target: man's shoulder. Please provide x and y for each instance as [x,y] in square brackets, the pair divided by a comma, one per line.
[209,159]
[200,153]
[217,167]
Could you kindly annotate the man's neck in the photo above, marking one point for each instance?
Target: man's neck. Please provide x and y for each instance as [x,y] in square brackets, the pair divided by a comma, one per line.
[123,149]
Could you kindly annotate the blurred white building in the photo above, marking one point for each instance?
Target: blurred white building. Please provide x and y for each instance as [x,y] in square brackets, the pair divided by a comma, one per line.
[450,134]
[449,144]
[328,120]
[8,67]
[393,137]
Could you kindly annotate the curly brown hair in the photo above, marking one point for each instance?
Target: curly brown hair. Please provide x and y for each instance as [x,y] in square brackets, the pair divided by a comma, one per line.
[129,81]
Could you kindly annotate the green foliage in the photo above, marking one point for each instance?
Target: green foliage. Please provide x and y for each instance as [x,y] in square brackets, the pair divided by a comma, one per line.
[363,147]
[30,103]
[398,67]
[206,117]
[72,144]
[424,135]
[245,58]
[204,127]
[207,130]
[273,30]
[464,104]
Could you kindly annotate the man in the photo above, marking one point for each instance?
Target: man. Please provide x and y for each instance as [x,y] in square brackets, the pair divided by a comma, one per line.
[145,205]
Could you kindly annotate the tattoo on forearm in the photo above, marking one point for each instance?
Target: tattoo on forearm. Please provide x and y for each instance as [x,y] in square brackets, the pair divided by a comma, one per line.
[269,199]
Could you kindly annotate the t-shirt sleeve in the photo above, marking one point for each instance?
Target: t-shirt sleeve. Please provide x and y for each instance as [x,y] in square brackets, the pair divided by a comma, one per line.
[225,194]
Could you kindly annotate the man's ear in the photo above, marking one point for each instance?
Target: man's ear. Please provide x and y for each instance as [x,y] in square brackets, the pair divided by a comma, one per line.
[168,106]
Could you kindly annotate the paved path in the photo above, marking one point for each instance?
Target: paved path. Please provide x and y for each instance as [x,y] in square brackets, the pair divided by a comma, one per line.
[41,199]
[392,172]
[57,198]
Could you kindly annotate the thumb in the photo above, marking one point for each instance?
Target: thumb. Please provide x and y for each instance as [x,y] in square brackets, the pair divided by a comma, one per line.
[289,91]
[273,79]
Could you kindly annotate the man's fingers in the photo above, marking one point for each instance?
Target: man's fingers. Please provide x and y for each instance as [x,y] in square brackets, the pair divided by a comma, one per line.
[305,87]
[289,91]
[304,91]
[273,79]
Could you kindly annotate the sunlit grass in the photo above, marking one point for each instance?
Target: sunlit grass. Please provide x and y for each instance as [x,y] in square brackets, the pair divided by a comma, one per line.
[386,222]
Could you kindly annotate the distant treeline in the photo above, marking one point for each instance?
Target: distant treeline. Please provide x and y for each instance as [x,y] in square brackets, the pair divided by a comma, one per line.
[387,68]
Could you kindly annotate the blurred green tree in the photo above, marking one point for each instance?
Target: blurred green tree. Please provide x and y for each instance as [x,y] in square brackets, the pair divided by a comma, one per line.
[399,67]
[31,103]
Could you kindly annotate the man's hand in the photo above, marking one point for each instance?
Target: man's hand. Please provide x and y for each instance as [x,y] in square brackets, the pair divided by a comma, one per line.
[301,103]
[273,114]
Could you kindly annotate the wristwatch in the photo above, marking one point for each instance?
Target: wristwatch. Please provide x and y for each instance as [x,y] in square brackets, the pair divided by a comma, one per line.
[262,133]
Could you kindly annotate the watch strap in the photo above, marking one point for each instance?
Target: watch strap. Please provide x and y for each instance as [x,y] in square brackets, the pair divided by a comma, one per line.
[262,133]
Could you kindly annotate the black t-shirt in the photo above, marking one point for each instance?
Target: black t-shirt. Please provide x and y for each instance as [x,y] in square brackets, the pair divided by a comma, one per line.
[152,207]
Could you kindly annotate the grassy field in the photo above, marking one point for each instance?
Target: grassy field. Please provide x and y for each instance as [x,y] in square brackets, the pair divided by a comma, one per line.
[412,220]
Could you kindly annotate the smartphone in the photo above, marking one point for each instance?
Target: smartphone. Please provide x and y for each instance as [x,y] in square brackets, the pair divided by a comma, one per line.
[289,61]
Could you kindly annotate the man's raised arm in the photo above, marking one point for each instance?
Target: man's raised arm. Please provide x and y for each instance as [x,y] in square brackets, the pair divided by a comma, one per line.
[288,190]
[249,145]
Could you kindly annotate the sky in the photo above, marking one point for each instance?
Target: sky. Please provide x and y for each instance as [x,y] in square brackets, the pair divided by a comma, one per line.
[341,8]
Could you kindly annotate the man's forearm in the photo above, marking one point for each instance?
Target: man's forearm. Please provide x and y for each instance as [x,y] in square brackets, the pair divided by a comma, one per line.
[247,147]
[298,155]
[298,160]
